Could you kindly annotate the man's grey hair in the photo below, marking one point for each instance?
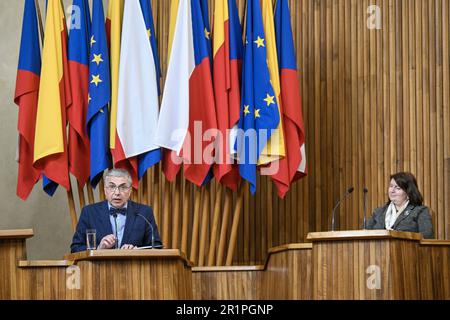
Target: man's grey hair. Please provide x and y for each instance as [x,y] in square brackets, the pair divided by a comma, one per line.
[119,173]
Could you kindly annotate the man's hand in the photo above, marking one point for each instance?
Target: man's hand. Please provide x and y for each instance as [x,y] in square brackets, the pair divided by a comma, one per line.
[128,246]
[107,242]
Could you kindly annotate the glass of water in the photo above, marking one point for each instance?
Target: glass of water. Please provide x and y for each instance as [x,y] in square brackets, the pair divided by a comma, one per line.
[91,240]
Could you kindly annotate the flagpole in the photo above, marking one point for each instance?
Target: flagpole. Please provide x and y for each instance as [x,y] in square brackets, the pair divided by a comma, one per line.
[215,225]
[235,225]
[41,27]
[185,222]
[205,216]
[90,193]
[176,213]
[195,225]
[223,229]
[72,211]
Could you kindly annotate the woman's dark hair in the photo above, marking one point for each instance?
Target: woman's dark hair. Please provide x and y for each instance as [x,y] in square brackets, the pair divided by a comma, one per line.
[408,183]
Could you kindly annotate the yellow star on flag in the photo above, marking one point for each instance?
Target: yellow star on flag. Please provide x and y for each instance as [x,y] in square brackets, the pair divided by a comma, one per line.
[97,58]
[92,41]
[246,111]
[269,100]
[149,33]
[260,42]
[207,34]
[257,115]
[96,80]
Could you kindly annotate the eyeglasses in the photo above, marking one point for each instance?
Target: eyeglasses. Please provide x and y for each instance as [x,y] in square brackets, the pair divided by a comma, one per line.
[121,188]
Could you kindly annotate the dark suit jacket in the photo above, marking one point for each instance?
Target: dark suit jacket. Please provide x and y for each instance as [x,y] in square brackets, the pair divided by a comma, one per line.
[96,216]
[412,219]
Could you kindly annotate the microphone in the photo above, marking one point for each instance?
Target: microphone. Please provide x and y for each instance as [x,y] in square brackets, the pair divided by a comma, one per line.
[365,190]
[115,223]
[151,229]
[350,190]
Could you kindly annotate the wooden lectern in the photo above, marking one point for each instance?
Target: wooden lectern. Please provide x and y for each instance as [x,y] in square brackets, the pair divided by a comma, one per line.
[96,274]
[376,264]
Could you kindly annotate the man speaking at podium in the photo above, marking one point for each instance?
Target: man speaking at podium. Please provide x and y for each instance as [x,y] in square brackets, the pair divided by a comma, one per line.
[118,221]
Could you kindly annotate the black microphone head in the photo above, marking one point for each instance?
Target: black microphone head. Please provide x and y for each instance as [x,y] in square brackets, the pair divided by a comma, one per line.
[365,190]
[114,215]
[350,190]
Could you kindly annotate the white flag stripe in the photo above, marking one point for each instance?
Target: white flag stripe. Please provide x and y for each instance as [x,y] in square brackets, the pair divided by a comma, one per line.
[137,109]
[174,117]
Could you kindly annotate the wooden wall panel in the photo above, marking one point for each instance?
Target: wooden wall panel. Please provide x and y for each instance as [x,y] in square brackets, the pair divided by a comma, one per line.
[375,101]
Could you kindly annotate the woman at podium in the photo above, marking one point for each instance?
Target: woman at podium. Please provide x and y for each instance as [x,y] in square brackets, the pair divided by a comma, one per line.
[404,211]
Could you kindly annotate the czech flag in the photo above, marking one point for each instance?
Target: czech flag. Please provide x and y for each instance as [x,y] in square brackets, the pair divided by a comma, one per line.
[293,166]
[186,116]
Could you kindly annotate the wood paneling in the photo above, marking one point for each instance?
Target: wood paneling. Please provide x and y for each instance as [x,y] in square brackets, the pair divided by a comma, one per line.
[375,101]
[435,269]
[373,266]
[340,265]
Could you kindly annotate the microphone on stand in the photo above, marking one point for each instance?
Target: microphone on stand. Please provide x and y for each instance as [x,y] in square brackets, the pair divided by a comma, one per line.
[365,190]
[350,190]
[151,231]
[115,233]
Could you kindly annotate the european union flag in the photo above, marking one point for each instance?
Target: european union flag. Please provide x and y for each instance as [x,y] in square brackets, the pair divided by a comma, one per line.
[259,110]
[207,27]
[99,96]
[149,159]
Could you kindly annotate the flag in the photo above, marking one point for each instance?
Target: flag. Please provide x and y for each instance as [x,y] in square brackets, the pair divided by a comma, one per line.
[148,159]
[294,164]
[228,47]
[274,149]
[207,31]
[259,113]
[79,38]
[50,147]
[174,4]
[114,30]
[189,75]
[171,163]
[137,107]
[99,96]
[207,28]
[26,98]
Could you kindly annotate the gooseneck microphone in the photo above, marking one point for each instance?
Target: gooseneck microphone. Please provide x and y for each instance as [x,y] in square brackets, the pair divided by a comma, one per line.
[350,190]
[115,233]
[151,230]
[365,190]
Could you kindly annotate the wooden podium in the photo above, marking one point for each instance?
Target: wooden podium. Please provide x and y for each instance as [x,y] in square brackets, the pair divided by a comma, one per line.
[96,274]
[378,264]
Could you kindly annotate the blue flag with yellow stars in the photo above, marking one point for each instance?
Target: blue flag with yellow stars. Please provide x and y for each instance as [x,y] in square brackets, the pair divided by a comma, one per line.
[259,114]
[99,95]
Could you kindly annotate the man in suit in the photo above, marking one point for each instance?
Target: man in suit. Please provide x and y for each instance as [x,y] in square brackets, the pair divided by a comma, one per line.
[118,221]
